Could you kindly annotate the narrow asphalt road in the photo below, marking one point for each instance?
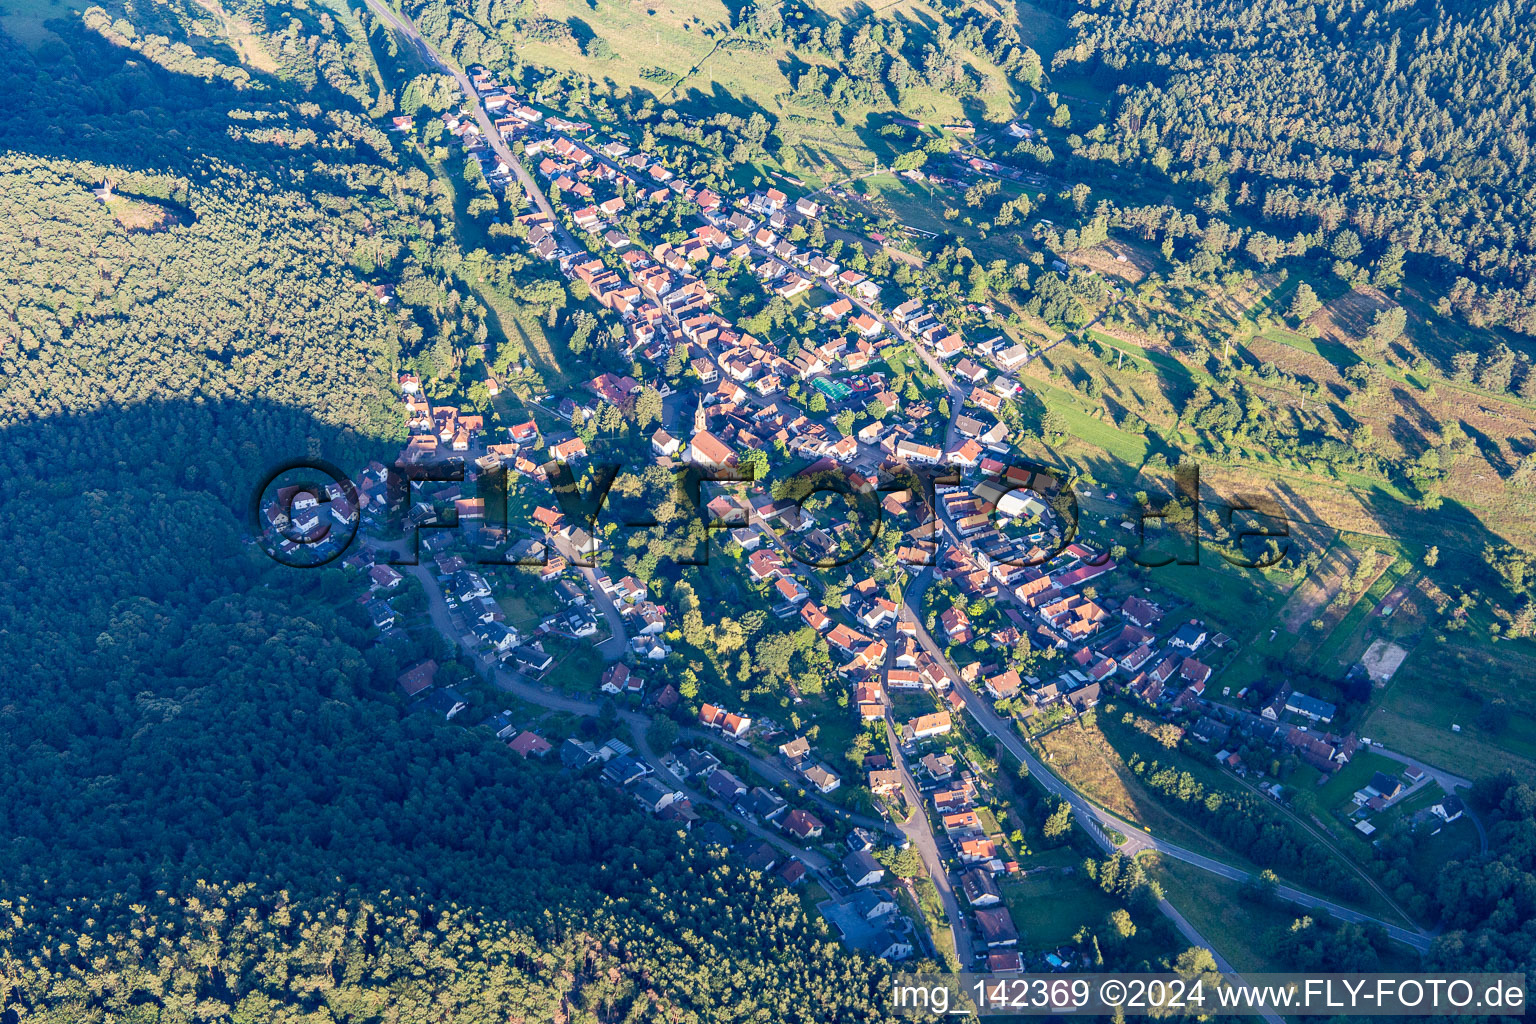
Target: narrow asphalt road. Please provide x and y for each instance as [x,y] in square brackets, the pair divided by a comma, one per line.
[1090,821]
[613,648]
[1136,840]
[918,829]
[403,25]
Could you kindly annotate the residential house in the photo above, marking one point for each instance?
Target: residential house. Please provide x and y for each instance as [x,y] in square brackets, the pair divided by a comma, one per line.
[936,724]
[529,744]
[1311,707]
[862,869]
[980,888]
[996,927]
[803,825]
[725,785]
[417,678]
[1190,635]
[823,780]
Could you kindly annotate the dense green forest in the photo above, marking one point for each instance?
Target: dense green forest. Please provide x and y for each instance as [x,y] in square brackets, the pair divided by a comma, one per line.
[232,954]
[216,807]
[1489,904]
[1405,122]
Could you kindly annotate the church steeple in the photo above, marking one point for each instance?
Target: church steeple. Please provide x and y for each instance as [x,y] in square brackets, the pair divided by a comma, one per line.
[700,421]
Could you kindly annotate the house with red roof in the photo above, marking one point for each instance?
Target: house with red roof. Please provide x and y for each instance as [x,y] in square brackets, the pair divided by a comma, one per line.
[529,744]
[418,677]
[803,825]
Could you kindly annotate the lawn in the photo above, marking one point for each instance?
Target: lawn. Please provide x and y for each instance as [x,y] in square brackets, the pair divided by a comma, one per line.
[931,908]
[1335,793]
[645,40]
[904,362]
[835,729]
[1239,602]
[1049,906]
[577,666]
[1094,761]
[515,329]
[921,204]
[1130,450]
[1128,740]
[526,605]
[1337,355]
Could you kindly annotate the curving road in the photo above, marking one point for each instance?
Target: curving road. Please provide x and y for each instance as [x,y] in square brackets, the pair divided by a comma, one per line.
[520,686]
[613,648]
[1136,840]
[999,730]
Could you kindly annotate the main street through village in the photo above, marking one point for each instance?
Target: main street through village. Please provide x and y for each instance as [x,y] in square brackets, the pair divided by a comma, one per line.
[1112,833]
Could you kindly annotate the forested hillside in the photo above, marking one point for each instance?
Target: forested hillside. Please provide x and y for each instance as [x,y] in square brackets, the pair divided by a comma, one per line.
[1490,903]
[220,953]
[1404,121]
[215,807]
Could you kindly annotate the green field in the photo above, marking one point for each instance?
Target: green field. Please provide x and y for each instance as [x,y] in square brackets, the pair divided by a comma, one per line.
[921,205]
[1348,640]
[1050,906]
[1127,450]
[688,55]
[1239,602]
[25,20]
[1240,927]
[1445,683]
[1130,450]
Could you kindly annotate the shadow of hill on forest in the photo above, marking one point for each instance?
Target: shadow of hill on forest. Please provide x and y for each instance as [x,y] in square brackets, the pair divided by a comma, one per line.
[175,707]
[179,707]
